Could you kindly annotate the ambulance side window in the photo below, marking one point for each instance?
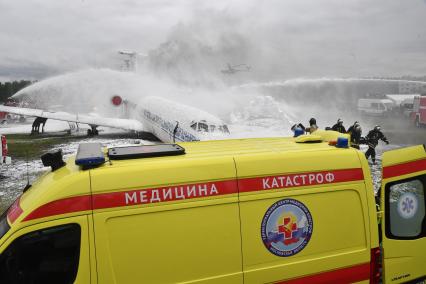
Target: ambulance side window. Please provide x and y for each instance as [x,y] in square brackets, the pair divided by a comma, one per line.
[406,209]
[50,255]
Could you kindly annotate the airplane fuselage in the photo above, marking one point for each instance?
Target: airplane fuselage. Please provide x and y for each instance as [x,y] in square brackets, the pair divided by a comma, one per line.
[165,130]
[173,122]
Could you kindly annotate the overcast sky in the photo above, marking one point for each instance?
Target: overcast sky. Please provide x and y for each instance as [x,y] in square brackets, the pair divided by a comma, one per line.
[298,38]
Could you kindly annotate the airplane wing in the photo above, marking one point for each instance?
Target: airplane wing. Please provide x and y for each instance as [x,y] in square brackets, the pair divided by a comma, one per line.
[126,124]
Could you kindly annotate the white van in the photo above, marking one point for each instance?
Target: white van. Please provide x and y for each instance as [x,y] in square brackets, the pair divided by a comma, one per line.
[375,107]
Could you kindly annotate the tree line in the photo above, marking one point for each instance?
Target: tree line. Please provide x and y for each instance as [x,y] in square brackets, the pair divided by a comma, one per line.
[8,89]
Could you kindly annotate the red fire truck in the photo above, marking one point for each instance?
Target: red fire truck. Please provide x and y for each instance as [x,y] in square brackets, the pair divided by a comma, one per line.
[10,117]
[418,116]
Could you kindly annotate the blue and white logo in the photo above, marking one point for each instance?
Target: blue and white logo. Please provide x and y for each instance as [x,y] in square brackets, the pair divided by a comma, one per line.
[407,205]
[286,227]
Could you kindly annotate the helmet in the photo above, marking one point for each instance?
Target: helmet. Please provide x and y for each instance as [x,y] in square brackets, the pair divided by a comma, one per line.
[339,121]
[356,123]
[377,127]
[312,121]
[358,128]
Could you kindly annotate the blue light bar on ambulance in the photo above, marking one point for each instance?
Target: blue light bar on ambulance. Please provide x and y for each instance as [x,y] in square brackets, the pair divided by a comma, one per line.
[342,142]
[90,155]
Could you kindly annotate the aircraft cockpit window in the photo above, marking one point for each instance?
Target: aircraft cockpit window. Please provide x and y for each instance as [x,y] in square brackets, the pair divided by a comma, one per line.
[224,128]
[202,127]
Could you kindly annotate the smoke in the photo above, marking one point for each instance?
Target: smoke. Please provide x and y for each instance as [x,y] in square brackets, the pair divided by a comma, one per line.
[91,90]
[196,52]
[280,41]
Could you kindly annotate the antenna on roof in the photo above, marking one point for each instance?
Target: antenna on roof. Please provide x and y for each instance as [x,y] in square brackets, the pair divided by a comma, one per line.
[28,174]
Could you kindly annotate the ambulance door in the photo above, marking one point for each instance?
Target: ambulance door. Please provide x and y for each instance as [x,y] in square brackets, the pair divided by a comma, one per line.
[168,221]
[404,222]
[48,252]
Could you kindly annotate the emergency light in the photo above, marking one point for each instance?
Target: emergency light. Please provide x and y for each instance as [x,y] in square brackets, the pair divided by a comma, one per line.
[342,142]
[89,155]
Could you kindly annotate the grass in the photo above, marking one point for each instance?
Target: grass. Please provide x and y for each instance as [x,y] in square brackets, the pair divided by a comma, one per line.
[25,146]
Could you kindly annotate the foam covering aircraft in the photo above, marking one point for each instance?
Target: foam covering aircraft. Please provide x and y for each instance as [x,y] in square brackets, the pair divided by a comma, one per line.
[169,121]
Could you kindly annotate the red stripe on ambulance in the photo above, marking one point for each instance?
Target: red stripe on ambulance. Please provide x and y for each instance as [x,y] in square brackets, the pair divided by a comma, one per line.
[164,194]
[405,168]
[190,191]
[299,179]
[351,274]
[61,206]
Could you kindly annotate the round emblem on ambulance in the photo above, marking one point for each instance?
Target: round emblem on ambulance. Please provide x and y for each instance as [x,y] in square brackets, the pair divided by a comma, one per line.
[286,227]
[407,205]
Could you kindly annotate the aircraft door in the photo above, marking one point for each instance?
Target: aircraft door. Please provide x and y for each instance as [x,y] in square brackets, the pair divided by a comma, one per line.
[404,222]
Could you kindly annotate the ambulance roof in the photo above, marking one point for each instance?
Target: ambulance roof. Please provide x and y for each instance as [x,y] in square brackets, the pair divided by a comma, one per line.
[235,147]
[74,185]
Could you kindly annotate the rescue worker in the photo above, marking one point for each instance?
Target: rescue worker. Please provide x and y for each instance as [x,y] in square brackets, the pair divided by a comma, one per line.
[35,129]
[351,128]
[339,126]
[356,138]
[175,131]
[312,125]
[355,132]
[298,129]
[43,122]
[372,140]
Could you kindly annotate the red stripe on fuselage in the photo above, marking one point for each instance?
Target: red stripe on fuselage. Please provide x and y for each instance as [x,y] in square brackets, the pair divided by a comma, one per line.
[351,274]
[404,169]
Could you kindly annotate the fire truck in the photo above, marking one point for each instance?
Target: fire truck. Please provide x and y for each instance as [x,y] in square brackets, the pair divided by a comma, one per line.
[6,117]
[418,115]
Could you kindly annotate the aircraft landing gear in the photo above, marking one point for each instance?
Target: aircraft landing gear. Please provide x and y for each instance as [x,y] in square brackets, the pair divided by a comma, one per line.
[93,131]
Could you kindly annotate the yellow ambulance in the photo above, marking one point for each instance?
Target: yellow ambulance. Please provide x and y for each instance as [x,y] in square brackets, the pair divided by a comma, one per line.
[264,210]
